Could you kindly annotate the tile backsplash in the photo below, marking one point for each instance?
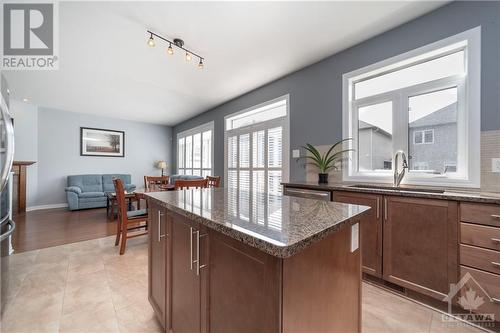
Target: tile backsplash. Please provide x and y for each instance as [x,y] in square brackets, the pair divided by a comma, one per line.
[490,148]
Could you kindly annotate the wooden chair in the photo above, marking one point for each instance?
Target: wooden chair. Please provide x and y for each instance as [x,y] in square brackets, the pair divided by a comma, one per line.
[213,181]
[151,181]
[186,184]
[128,221]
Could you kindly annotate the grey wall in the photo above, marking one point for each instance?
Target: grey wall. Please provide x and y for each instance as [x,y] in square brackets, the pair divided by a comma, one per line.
[56,140]
[316,91]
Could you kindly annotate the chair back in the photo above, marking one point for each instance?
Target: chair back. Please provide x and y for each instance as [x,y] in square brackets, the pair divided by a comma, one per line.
[120,199]
[213,181]
[186,184]
[152,181]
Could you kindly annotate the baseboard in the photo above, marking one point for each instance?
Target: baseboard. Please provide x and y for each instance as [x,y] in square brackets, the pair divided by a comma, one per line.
[32,208]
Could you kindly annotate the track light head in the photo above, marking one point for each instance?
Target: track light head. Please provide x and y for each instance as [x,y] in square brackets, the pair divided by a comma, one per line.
[151,41]
[188,56]
[200,64]
[170,50]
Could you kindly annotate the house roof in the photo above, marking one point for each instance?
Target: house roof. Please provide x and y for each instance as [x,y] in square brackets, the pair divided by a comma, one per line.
[446,115]
[364,125]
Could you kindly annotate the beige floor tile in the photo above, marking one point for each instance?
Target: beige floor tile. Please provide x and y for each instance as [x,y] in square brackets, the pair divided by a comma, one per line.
[137,318]
[31,327]
[99,319]
[42,307]
[384,312]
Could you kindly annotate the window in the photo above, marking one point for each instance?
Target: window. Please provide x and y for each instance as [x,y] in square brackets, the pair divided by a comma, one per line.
[425,102]
[423,137]
[194,151]
[256,150]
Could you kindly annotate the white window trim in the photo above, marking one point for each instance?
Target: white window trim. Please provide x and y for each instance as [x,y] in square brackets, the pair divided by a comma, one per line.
[284,121]
[471,101]
[195,130]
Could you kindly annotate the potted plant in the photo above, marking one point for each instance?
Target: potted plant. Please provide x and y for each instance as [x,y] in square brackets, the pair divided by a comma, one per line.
[327,161]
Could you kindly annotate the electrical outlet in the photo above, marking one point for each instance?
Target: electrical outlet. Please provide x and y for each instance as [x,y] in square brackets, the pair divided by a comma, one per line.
[495,165]
[296,153]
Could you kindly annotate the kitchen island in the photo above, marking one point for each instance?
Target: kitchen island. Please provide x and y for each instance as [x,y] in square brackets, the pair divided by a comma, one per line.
[223,260]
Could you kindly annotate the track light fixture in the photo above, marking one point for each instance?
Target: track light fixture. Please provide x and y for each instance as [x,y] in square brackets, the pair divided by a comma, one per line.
[179,43]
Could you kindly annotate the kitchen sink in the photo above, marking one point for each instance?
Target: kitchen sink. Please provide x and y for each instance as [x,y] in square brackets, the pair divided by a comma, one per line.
[401,188]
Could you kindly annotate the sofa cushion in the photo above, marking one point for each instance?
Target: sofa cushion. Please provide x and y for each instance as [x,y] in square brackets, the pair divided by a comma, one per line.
[136,213]
[87,183]
[173,178]
[107,181]
[91,194]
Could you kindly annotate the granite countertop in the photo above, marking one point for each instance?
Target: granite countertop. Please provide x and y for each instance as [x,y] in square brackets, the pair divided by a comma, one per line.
[278,225]
[456,195]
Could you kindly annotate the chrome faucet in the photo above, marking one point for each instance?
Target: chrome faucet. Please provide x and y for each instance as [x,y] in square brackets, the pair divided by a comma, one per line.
[398,176]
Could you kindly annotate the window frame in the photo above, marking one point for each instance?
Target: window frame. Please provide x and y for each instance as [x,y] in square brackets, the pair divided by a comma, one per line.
[191,132]
[468,109]
[265,125]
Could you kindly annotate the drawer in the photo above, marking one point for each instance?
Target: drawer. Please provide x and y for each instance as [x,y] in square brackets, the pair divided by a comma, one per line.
[480,213]
[480,235]
[476,257]
[490,283]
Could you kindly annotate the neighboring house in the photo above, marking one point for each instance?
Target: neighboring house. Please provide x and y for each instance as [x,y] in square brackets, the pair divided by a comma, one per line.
[432,143]
[375,147]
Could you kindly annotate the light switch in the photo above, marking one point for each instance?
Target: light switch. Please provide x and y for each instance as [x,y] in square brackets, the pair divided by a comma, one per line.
[295,153]
[495,165]
[354,237]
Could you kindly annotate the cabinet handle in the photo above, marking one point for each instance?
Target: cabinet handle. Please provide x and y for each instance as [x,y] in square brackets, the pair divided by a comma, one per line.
[378,208]
[495,216]
[495,300]
[160,236]
[496,264]
[385,209]
[191,248]
[197,261]
[496,240]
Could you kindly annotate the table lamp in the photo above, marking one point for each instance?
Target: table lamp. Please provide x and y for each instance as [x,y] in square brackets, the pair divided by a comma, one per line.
[161,165]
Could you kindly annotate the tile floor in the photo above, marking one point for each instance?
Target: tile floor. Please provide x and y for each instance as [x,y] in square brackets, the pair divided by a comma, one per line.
[87,287]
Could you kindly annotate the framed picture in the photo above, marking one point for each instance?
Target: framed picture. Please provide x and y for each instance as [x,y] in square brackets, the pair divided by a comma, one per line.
[101,142]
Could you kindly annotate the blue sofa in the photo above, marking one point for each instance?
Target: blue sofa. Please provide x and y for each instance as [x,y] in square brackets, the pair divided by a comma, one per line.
[89,191]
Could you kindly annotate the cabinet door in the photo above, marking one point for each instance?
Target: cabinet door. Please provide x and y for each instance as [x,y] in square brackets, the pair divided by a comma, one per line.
[421,244]
[244,287]
[371,229]
[157,261]
[185,285]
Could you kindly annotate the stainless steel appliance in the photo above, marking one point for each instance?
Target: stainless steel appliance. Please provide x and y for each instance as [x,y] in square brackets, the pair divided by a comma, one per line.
[306,193]
[7,225]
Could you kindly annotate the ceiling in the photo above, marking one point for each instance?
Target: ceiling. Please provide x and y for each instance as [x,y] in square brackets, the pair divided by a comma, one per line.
[106,67]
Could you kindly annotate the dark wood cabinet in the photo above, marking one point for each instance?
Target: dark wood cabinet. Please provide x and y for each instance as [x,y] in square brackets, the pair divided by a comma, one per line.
[188,276]
[244,285]
[157,261]
[421,244]
[214,283]
[371,229]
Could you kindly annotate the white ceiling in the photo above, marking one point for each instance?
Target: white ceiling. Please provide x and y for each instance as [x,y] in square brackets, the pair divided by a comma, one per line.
[106,67]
